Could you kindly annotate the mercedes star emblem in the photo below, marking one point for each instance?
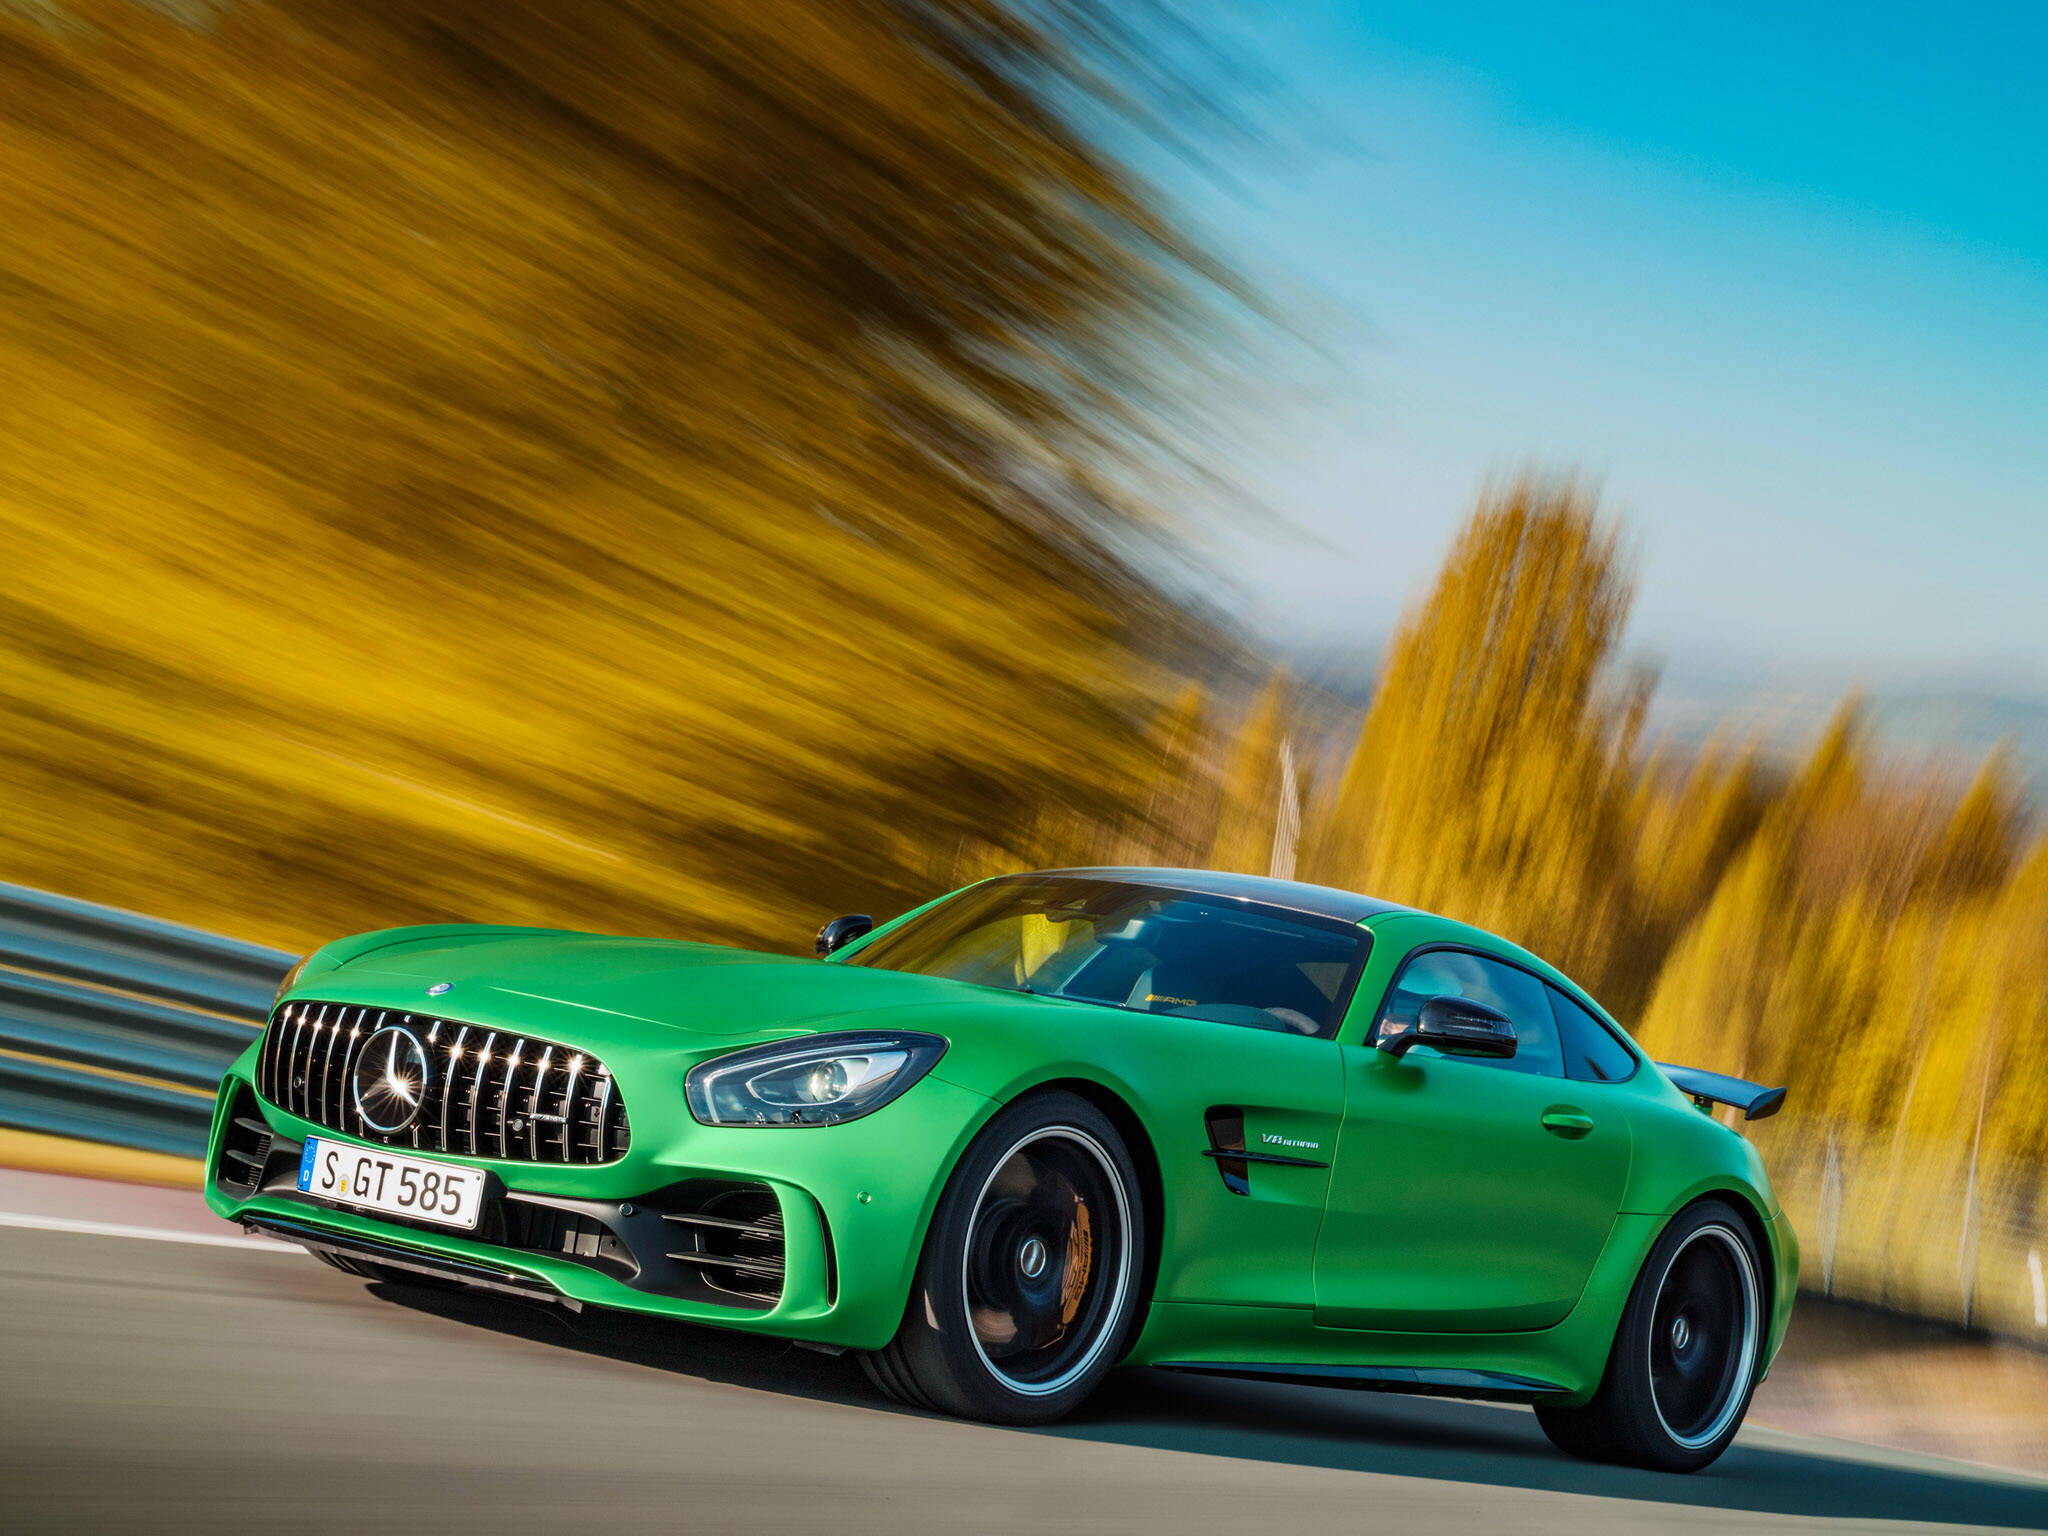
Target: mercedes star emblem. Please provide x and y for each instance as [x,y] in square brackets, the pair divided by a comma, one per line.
[390,1079]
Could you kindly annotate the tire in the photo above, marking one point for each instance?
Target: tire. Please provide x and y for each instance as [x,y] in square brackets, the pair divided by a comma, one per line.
[1686,1357]
[1027,1287]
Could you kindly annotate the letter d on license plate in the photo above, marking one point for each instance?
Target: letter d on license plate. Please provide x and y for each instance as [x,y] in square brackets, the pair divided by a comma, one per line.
[372,1179]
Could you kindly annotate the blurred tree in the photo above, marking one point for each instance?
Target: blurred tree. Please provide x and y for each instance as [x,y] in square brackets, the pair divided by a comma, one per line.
[1493,780]
[659,464]
[1973,852]
[1690,822]
[1253,784]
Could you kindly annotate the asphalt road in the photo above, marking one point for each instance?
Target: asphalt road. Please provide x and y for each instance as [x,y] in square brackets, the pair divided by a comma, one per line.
[164,1386]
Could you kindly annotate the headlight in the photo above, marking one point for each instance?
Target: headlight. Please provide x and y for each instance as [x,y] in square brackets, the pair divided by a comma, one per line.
[819,1080]
[291,979]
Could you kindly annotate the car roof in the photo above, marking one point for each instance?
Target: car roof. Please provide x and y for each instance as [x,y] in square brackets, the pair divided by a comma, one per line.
[1321,900]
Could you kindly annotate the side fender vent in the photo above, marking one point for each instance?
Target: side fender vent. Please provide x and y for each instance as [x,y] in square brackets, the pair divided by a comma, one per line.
[1226,1146]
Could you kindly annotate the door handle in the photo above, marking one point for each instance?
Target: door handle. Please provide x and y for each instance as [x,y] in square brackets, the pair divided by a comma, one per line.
[1571,1123]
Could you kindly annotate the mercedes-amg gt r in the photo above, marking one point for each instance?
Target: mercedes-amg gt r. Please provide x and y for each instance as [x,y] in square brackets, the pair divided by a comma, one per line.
[1044,1125]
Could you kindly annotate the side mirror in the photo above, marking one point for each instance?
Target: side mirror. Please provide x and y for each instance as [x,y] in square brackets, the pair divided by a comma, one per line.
[842,931]
[1457,1024]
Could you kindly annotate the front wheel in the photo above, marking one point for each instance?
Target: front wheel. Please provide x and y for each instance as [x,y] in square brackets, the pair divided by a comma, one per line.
[1687,1355]
[1025,1291]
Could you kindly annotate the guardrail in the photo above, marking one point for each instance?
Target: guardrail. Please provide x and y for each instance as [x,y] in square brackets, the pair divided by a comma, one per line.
[116,1027]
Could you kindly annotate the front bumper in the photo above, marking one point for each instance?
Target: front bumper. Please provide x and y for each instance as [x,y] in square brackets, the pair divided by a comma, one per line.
[853,1202]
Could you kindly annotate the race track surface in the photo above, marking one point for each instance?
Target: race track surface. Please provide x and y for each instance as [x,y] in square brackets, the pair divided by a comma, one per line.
[150,1385]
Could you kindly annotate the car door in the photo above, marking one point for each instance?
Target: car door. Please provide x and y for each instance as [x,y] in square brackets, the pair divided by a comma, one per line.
[1467,1194]
[1253,1119]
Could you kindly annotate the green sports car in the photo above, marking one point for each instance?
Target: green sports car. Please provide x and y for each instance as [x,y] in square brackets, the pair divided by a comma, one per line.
[1044,1125]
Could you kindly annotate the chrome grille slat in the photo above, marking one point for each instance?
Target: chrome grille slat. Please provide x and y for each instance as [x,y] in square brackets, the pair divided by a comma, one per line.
[326,1059]
[280,1062]
[434,1079]
[273,1045]
[266,1066]
[616,1134]
[305,1067]
[604,1104]
[569,1109]
[291,1067]
[310,1052]
[357,1033]
[316,1080]
[448,1081]
[345,1100]
[540,1077]
[332,1104]
[476,1088]
[505,1098]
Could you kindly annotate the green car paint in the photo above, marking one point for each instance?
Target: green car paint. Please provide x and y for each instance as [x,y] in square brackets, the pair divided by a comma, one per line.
[1423,1213]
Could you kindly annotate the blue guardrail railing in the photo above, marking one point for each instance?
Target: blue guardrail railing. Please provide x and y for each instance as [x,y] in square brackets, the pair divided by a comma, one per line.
[115,1027]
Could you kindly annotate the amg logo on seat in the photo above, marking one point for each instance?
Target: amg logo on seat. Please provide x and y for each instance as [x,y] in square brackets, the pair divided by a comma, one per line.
[1272,1139]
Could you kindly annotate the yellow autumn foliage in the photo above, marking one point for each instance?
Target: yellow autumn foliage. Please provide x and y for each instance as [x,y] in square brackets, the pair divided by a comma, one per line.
[1493,778]
[651,465]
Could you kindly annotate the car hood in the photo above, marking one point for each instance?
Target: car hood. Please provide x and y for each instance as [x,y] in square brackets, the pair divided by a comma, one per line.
[704,989]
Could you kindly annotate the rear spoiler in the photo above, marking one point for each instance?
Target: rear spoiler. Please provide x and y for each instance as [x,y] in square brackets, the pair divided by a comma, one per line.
[1754,1100]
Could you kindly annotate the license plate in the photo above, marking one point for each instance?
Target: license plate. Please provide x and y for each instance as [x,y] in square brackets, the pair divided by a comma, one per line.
[372,1179]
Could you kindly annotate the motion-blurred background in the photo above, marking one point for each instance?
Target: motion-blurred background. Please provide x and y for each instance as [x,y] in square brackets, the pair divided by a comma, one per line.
[694,468]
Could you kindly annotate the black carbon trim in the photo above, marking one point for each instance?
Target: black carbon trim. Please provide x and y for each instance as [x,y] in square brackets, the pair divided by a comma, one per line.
[1266,1157]
[1424,1381]
[468,1271]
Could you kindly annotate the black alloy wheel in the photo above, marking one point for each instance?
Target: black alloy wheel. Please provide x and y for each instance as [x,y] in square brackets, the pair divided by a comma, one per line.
[1025,1292]
[1686,1357]
[1041,1255]
[1703,1335]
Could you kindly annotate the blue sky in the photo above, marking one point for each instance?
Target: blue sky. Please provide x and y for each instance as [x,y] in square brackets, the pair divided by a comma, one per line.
[1776,277]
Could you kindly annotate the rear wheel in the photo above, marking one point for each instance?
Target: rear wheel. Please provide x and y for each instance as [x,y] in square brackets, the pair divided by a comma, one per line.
[1686,1358]
[1025,1291]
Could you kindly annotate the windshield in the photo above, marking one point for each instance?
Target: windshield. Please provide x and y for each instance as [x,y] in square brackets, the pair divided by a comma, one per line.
[1144,947]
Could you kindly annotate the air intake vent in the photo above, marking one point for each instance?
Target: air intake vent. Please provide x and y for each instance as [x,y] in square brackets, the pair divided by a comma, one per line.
[731,1236]
[488,1092]
[244,1149]
[569,1234]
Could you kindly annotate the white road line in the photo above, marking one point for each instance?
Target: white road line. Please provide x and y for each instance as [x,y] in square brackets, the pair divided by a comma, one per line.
[154,1234]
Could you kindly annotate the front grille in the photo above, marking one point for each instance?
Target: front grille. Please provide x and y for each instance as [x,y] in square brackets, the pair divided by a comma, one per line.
[488,1093]
[731,1235]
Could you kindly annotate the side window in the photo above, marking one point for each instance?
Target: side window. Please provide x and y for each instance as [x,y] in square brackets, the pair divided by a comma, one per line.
[1591,1053]
[1459,973]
